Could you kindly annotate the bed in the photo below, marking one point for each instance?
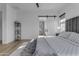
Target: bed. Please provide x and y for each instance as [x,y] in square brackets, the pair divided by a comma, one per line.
[66,44]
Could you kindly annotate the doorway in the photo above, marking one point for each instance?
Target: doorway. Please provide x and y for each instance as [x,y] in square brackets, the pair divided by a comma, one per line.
[47,26]
[42,26]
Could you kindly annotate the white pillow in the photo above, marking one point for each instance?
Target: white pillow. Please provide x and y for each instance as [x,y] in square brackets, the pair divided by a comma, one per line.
[74,37]
[65,34]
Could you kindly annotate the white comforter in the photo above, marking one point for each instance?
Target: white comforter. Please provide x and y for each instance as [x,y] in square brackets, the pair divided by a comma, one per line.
[58,45]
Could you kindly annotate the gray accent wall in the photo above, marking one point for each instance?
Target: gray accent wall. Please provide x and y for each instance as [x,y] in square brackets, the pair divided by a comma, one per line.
[72,24]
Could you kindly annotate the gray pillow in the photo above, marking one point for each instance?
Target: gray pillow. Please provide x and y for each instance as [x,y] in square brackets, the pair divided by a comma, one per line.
[65,34]
[29,49]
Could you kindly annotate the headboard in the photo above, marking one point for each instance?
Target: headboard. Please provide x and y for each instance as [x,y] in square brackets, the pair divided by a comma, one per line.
[72,25]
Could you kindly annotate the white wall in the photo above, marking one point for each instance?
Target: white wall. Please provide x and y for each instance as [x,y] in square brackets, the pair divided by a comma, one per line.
[30,23]
[0,25]
[9,16]
[29,26]
[4,24]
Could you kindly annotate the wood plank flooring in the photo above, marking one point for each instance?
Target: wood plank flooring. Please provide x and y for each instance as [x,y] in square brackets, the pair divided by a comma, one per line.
[7,49]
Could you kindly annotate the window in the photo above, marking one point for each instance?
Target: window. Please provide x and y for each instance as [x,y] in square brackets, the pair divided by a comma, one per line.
[62,25]
[62,22]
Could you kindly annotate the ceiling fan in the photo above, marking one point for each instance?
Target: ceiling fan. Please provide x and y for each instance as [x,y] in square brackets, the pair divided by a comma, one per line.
[37,4]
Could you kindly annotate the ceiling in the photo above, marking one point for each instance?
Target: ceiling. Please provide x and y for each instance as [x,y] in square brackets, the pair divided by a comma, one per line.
[43,6]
